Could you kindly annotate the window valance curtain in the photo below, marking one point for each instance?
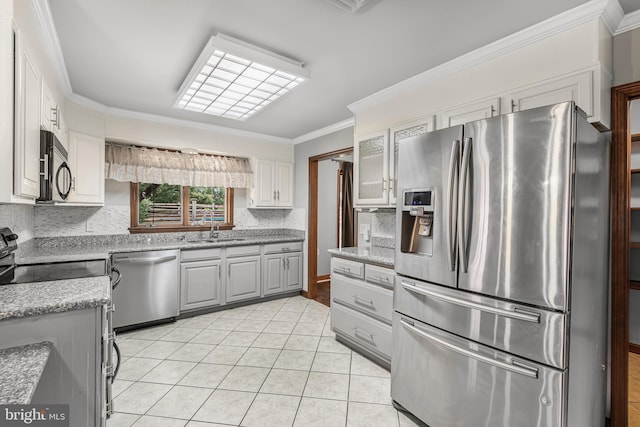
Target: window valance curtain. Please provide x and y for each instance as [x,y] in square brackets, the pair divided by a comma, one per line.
[140,164]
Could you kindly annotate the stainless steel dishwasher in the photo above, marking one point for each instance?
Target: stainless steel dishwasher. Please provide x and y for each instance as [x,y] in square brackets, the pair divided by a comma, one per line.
[150,287]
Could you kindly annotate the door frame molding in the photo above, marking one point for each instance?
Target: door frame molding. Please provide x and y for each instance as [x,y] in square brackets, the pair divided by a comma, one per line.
[621,96]
[312,241]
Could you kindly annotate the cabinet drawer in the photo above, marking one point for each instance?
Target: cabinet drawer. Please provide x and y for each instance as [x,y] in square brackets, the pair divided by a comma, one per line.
[364,297]
[200,254]
[347,268]
[273,248]
[380,276]
[367,332]
[243,250]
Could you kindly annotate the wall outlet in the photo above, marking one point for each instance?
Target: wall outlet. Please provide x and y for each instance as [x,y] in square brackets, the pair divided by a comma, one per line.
[365,231]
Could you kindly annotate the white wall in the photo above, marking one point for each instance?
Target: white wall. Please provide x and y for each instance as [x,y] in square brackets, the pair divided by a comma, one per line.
[327,213]
[324,144]
[626,57]
[580,47]
[20,219]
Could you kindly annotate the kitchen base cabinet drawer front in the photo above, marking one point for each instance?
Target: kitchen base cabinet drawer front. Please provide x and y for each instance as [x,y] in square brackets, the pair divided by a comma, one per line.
[277,248]
[348,268]
[530,332]
[380,276]
[362,329]
[367,298]
[200,254]
[446,380]
[233,251]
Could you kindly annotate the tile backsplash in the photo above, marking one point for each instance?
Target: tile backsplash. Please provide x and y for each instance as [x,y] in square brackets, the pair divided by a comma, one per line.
[51,221]
[270,218]
[20,218]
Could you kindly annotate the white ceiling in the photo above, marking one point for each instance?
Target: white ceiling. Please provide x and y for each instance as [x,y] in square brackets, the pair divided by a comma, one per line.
[135,54]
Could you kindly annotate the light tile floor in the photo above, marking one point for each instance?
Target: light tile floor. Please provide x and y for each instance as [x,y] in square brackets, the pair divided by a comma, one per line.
[274,363]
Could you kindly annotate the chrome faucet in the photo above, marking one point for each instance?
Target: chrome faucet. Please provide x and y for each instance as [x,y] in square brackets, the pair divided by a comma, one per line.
[214,226]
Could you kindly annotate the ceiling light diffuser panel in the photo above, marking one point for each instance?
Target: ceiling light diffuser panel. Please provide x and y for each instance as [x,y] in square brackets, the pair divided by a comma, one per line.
[235,80]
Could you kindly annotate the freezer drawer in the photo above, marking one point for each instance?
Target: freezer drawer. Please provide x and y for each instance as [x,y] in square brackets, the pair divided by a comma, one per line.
[448,381]
[365,331]
[364,297]
[530,332]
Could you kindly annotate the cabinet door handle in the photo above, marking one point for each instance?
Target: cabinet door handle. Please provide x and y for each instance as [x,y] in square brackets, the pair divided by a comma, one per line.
[287,263]
[283,265]
[274,195]
[384,184]
[278,195]
[219,273]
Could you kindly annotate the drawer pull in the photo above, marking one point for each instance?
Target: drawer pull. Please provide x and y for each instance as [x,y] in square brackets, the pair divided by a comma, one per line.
[382,281]
[517,313]
[363,334]
[515,366]
[345,271]
[361,301]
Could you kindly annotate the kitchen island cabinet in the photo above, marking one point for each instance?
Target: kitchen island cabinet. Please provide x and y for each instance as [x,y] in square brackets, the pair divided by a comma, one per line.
[362,303]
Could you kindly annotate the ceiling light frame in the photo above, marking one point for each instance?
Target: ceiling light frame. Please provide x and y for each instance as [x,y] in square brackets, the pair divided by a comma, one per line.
[235,79]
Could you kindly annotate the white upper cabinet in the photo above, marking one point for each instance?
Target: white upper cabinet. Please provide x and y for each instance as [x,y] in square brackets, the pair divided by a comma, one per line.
[576,87]
[468,112]
[272,184]
[27,124]
[396,135]
[46,107]
[371,169]
[86,160]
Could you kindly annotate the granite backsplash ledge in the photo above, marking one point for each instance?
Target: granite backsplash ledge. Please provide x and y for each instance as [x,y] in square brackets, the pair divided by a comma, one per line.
[114,239]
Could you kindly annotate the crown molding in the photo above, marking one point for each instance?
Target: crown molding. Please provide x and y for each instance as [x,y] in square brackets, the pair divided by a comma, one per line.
[549,27]
[154,118]
[612,15]
[631,21]
[335,127]
[54,50]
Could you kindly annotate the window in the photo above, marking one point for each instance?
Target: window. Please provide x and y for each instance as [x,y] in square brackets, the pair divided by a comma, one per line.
[165,207]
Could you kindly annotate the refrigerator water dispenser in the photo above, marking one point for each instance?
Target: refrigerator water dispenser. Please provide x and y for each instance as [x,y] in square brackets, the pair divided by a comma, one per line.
[417,221]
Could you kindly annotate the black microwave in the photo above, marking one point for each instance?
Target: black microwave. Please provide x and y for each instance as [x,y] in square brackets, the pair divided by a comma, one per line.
[55,175]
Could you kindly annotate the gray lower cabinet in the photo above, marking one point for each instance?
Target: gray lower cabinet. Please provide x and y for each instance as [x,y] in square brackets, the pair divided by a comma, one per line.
[201,284]
[74,372]
[202,278]
[293,272]
[362,307]
[281,268]
[243,278]
[273,267]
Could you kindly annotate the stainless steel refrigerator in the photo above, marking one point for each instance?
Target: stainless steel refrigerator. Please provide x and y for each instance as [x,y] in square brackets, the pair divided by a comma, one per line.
[502,251]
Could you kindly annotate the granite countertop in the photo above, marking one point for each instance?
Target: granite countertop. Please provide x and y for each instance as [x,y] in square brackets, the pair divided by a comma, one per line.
[65,249]
[20,370]
[34,299]
[373,254]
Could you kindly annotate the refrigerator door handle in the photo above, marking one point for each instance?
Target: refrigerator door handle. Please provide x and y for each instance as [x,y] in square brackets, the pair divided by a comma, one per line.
[517,314]
[515,366]
[453,205]
[463,215]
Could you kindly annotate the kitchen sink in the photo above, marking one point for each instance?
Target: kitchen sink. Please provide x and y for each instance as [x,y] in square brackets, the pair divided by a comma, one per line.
[217,239]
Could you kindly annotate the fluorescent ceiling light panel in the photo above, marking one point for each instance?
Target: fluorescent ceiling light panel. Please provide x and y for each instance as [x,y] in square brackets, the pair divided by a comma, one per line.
[234,79]
[350,5]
